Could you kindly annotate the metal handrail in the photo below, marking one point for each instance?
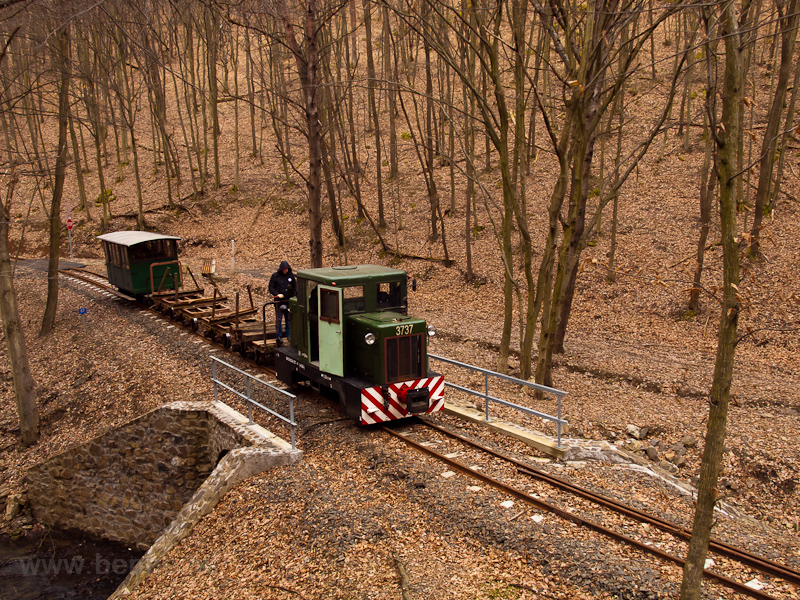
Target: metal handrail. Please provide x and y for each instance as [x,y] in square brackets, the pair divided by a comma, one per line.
[247,396]
[487,398]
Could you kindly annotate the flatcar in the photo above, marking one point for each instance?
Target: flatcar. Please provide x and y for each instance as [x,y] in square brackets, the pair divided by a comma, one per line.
[141,262]
[350,334]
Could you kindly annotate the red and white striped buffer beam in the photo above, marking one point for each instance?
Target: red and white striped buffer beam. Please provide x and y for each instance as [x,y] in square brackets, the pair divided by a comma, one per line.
[374,407]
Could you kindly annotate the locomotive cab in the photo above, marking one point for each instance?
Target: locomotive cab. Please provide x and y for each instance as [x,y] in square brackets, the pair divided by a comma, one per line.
[350,332]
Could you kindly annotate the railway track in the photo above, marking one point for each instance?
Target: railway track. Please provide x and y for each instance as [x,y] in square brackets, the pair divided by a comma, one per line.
[682,535]
[736,555]
[101,284]
[97,281]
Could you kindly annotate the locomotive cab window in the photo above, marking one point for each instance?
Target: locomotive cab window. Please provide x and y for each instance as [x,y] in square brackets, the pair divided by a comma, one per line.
[329,305]
[389,295]
[353,298]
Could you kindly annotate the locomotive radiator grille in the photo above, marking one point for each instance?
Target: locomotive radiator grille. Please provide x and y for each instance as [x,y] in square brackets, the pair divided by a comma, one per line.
[376,409]
[404,357]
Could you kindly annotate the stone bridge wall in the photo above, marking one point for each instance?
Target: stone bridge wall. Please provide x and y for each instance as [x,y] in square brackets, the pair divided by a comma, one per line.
[130,483]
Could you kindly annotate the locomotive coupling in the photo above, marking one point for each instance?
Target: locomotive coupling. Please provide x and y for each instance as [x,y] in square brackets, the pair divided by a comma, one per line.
[417,400]
[387,397]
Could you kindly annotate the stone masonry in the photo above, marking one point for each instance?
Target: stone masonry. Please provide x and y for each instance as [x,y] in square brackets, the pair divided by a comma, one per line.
[130,483]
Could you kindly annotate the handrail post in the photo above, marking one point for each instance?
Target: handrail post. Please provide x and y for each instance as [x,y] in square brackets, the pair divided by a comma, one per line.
[558,425]
[291,419]
[486,395]
[214,378]
[249,405]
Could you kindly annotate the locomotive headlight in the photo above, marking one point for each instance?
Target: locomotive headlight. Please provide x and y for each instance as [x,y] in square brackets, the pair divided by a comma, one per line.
[369,339]
[431,330]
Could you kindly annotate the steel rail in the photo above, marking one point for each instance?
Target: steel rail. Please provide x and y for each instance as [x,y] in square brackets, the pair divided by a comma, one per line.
[96,280]
[519,494]
[103,285]
[739,554]
[717,546]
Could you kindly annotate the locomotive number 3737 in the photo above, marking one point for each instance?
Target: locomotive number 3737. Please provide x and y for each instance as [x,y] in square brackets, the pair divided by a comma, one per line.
[404,329]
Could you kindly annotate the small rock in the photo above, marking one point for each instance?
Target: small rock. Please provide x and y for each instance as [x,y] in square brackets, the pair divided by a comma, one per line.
[651,453]
[689,441]
[667,466]
[678,449]
[633,445]
[633,431]
[13,507]
[679,461]
[643,431]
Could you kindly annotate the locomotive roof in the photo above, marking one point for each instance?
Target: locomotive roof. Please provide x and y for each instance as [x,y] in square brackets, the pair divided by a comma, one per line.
[131,238]
[352,274]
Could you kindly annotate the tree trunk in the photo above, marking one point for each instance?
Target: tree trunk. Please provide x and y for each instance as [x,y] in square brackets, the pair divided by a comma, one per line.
[212,46]
[76,150]
[374,112]
[64,58]
[24,387]
[433,195]
[727,137]
[788,24]
[307,60]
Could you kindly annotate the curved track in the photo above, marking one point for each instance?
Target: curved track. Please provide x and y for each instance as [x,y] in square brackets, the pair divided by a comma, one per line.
[739,555]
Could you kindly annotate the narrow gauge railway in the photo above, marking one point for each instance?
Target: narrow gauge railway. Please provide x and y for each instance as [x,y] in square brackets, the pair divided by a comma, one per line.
[735,557]
[224,337]
[101,284]
[348,330]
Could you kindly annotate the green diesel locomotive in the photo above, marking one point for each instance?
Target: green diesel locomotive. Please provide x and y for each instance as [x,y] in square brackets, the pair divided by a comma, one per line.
[350,333]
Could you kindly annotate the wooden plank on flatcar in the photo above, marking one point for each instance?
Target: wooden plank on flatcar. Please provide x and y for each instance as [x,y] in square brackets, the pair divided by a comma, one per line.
[263,345]
[171,299]
[203,310]
[228,315]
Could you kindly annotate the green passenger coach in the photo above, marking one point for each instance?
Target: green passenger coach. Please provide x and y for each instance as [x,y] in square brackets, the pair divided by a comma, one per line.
[350,332]
[140,262]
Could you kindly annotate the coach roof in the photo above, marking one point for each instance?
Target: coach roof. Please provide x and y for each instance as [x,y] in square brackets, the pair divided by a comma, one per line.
[131,238]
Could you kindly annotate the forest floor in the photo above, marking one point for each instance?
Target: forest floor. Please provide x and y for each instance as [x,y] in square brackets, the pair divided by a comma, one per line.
[633,357]
[339,524]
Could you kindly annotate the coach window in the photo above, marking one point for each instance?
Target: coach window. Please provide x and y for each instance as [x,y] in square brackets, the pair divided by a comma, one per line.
[118,255]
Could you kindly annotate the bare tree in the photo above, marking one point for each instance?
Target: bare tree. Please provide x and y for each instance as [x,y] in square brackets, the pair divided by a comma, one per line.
[24,387]
[787,19]
[726,138]
[306,57]
[63,58]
